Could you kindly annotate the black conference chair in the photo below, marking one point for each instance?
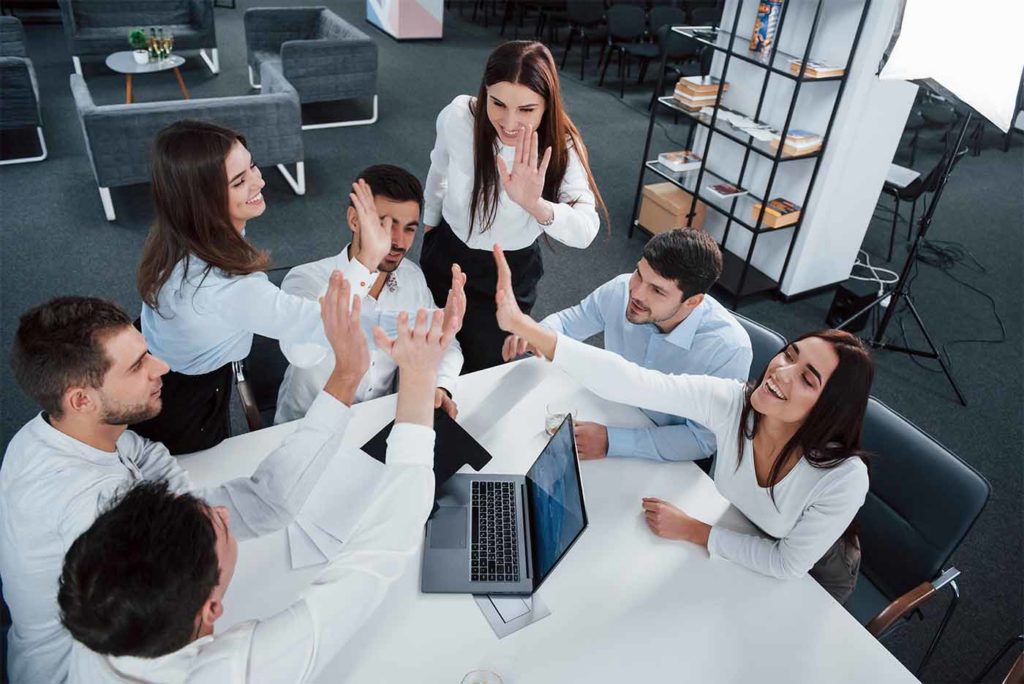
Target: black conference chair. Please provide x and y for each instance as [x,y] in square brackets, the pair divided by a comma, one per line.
[627,25]
[922,502]
[586,22]
[257,380]
[764,342]
[1015,675]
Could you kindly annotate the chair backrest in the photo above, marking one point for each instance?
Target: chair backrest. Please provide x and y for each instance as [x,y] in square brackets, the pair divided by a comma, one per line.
[12,38]
[705,16]
[666,16]
[922,501]
[118,13]
[764,342]
[626,22]
[584,12]
[264,370]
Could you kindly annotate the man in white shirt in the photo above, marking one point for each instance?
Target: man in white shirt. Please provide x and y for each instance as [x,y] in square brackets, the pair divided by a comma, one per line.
[145,585]
[90,370]
[660,317]
[400,286]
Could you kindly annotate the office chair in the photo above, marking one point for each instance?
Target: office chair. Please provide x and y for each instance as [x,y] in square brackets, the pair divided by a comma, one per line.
[257,379]
[627,25]
[586,20]
[921,503]
[764,342]
[1015,675]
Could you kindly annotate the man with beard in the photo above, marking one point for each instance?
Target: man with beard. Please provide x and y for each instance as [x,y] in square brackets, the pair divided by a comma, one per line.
[92,374]
[658,317]
[400,286]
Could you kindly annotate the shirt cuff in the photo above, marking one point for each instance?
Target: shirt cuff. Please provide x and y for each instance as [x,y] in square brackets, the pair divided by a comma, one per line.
[447,383]
[327,413]
[553,322]
[359,277]
[621,442]
[715,542]
[411,444]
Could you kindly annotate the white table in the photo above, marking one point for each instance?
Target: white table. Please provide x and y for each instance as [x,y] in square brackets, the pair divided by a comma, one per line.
[626,606]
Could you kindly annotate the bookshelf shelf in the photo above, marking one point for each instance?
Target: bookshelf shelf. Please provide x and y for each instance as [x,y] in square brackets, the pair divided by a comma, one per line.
[745,161]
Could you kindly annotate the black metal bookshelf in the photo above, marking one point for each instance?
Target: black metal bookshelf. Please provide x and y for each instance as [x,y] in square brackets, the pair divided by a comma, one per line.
[739,277]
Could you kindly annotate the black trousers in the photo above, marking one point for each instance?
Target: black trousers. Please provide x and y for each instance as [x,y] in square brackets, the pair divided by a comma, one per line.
[480,337]
[195,413]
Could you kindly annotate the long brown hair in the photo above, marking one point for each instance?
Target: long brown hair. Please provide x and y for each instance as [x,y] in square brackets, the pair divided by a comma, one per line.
[191,199]
[832,430]
[527,63]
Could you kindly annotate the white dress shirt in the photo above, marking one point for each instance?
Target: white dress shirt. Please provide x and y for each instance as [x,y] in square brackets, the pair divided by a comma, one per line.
[52,487]
[296,644]
[206,321]
[709,341]
[405,290]
[812,507]
[449,192]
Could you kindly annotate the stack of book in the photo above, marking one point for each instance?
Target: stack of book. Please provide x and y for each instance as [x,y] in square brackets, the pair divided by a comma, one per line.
[683,160]
[798,142]
[694,92]
[778,212]
[815,69]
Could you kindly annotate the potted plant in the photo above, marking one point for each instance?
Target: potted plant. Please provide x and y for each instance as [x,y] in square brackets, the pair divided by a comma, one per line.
[137,39]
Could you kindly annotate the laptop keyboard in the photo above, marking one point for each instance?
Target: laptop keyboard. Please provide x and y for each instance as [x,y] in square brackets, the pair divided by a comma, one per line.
[495,552]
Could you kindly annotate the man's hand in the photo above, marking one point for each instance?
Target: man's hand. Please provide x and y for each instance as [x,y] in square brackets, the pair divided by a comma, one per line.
[514,347]
[443,401]
[668,521]
[508,312]
[455,306]
[417,351]
[372,237]
[345,335]
[591,440]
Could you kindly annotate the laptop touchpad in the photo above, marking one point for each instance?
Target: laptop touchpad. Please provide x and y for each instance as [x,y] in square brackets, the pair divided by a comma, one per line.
[448,528]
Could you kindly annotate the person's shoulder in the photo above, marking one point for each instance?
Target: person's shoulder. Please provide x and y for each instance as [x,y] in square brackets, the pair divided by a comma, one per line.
[847,479]
[722,324]
[460,109]
[319,270]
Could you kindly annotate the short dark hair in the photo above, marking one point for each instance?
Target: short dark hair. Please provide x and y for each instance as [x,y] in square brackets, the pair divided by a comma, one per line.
[688,256]
[133,583]
[393,183]
[59,345]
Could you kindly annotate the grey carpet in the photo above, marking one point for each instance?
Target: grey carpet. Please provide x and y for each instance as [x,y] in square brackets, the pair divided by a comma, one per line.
[54,240]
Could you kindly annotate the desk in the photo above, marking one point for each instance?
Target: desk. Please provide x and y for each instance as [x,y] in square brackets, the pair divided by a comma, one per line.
[626,606]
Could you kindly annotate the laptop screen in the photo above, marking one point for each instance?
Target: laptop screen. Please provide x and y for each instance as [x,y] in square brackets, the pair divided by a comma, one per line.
[557,514]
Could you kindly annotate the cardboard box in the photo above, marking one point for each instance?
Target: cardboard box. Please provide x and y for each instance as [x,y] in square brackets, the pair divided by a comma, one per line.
[665,206]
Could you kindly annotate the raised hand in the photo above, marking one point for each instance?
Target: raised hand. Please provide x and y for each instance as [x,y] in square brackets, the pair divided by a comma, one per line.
[345,335]
[455,307]
[508,311]
[372,237]
[417,349]
[524,182]
[514,347]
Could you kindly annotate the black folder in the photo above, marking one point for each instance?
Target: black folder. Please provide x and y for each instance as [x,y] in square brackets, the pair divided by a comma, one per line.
[453,448]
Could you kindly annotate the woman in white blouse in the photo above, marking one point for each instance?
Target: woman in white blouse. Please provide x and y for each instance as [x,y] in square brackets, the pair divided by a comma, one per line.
[507,166]
[202,283]
[788,446]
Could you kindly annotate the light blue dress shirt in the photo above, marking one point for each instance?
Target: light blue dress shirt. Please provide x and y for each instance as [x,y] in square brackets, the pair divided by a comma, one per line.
[710,341]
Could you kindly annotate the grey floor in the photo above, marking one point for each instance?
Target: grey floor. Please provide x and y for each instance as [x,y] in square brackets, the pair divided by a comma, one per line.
[54,240]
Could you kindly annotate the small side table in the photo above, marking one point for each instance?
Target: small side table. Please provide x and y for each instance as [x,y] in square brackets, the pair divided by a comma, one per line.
[124,63]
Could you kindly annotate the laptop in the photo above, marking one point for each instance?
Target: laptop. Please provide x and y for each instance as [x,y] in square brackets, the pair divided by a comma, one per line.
[504,534]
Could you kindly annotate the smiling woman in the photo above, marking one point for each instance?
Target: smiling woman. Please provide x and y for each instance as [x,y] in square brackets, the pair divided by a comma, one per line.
[202,283]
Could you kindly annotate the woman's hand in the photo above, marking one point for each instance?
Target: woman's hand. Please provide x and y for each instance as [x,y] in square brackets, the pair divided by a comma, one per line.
[524,182]
[668,521]
[508,312]
[371,239]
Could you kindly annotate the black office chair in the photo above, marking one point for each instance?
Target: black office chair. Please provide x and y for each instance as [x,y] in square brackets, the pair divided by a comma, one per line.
[1015,675]
[258,379]
[921,503]
[706,16]
[627,25]
[586,21]
[764,342]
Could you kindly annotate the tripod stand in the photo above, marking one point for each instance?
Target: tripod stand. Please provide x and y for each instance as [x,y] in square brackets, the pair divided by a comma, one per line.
[901,290]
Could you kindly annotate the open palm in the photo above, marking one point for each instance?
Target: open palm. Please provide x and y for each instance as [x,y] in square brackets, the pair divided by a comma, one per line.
[524,182]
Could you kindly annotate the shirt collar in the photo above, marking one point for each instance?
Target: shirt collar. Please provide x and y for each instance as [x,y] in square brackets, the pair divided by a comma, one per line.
[682,335]
[70,445]
[173,667]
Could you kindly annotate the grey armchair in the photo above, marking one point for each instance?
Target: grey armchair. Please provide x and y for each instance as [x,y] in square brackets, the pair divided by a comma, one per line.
[100,27]
[322,55]
[19,90]
[118,138]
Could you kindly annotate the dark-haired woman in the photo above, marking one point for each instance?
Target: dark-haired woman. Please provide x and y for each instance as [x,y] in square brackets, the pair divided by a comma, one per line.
[788,446]
[202,283]
[507,166]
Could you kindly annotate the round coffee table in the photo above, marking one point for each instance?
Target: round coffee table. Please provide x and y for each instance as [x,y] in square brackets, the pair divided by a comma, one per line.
[124,63]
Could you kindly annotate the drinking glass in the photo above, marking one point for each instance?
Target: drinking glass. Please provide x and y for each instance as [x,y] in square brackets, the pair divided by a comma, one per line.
[481,677]
[556,413]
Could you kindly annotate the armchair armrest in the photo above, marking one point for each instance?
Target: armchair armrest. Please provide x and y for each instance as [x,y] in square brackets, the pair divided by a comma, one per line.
[247,397]
[83,98]
[273,81]
[19,95]
[201,14]
[67,15]
[910,602]
[267,27]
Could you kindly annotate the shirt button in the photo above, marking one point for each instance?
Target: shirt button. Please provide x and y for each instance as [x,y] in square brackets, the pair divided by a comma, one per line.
[362,283]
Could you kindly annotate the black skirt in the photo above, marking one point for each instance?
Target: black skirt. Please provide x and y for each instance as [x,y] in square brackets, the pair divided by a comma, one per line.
[480,337]
[195,413]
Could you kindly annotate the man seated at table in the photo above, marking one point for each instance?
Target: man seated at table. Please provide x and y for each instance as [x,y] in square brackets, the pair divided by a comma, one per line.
[89,369]
[145,584]
[659,317]
[400,286]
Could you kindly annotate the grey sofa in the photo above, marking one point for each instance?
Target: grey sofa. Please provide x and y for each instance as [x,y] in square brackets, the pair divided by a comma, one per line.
[19,90]
[100,27]
[322,55]
[118,138]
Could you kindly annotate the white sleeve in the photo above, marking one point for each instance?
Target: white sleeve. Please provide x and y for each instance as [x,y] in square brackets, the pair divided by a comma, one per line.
[710,401]
[296,644]
[822,522]
[156,463]
[270,499]
[437,177]
[576,221]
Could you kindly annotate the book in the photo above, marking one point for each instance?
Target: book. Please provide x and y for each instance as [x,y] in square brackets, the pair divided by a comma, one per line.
[695,97]
[701,85]
[725,190]
[683,160]
[778,213]
[766,23]
[798,142]
[815,69]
